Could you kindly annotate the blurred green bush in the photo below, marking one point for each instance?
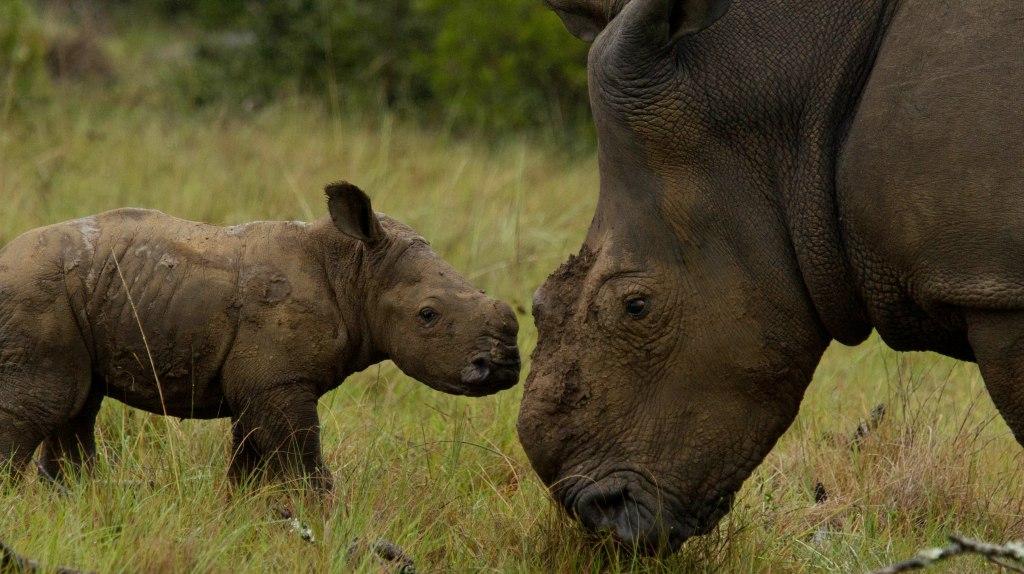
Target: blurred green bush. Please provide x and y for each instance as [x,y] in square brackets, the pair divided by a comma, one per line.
[492,64]
[22,52]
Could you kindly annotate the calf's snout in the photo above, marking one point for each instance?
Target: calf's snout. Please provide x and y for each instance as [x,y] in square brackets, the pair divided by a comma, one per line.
[492,371]
[507,325]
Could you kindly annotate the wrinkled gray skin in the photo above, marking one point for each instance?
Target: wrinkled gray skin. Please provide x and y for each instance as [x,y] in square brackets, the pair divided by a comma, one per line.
[254,322]
[775,175]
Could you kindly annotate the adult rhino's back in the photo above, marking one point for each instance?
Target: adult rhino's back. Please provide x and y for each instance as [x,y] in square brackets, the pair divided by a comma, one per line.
[932,173]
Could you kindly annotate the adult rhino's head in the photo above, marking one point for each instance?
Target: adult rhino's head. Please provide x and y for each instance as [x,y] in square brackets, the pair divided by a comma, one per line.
[420,312]
[674,350]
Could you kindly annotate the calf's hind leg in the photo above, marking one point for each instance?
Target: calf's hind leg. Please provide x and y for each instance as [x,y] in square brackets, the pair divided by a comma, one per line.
[31,409]
[997,339]
[73,444]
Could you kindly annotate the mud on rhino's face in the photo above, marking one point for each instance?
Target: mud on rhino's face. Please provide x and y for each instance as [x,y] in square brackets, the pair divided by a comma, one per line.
[656,388]
[675,349]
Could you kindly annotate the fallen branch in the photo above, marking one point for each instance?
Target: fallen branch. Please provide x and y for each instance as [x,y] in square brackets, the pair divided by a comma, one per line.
[50,479]
[385,551]
[297,526]
[1009,556]
[820,494]
[867,426]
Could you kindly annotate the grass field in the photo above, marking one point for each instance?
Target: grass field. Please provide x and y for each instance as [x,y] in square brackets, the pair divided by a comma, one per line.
[444,477]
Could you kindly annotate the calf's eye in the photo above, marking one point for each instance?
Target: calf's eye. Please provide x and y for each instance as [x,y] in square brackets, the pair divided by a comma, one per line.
[637,307]
[428,315]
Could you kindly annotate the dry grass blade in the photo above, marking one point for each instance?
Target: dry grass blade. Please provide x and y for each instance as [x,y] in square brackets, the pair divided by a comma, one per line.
[996,553]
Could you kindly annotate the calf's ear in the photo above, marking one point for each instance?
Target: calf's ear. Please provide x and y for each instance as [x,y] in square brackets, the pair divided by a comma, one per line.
[352,212]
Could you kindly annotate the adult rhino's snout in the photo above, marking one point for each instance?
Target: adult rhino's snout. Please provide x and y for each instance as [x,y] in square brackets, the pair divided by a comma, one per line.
[643,523]
[496,366]
[627,519]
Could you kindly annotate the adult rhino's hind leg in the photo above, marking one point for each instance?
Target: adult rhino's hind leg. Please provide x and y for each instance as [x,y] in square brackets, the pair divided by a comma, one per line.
[73,444]
[997,339]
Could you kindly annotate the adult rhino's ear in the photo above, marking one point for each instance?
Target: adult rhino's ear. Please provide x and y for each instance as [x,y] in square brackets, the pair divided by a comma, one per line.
[586,18]
[352,212]
[655,22]
[691,16]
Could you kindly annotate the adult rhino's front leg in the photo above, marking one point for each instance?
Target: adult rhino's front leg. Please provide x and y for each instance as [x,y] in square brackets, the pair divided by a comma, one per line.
[276,429]
[997,339]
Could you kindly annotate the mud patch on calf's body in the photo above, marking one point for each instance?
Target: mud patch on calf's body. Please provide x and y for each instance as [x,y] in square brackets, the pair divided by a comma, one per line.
[265,285]
[169,261]
[277,290]
[90,231]
[243,228]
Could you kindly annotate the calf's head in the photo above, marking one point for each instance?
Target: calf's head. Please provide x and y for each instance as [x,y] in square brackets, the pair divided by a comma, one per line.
[421,313]
[675,349]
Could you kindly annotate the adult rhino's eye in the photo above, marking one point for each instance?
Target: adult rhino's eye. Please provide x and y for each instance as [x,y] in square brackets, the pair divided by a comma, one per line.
[637,307]
[428,315]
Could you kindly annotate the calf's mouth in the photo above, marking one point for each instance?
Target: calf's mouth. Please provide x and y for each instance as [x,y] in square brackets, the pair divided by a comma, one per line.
[491,371]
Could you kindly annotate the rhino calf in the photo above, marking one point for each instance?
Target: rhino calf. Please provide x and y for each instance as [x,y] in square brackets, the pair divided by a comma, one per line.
[253,322]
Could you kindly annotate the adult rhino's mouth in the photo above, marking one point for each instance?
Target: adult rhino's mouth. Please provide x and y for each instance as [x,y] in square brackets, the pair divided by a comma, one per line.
[640,515]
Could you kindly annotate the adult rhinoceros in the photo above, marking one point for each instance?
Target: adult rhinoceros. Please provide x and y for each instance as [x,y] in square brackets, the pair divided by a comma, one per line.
[775,174]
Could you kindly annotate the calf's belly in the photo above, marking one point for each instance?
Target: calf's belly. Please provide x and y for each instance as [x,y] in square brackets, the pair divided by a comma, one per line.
[173,397]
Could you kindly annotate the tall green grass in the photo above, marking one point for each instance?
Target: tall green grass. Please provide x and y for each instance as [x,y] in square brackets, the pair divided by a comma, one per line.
[444,477]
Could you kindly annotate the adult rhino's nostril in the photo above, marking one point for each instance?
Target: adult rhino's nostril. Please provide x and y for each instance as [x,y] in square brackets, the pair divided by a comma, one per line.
[617,512]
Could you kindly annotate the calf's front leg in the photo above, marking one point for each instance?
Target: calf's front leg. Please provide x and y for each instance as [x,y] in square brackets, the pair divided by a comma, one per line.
[277,429]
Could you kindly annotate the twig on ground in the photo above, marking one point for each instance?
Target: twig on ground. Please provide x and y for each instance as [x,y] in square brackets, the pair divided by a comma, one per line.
[297,526]
[10,561]
[385,551]
[820,494]
[50,479]
[1001,555]
[867,426]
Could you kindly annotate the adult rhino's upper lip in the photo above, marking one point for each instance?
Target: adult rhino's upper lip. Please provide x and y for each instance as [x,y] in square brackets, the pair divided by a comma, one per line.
[621,505]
